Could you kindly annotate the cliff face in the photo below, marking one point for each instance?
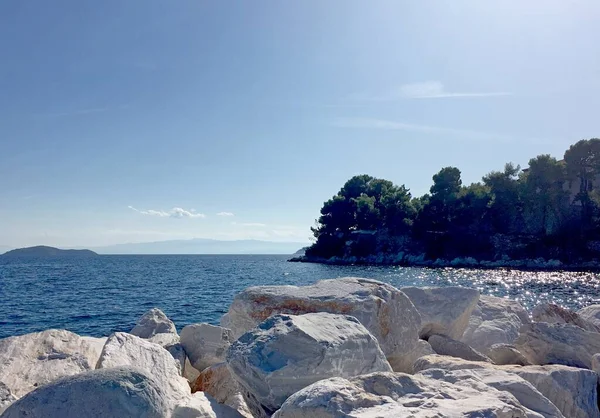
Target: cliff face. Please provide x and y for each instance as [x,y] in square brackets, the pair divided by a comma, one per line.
[44,251]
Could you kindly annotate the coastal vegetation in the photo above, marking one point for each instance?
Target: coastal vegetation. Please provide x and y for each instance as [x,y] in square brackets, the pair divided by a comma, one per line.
[45,251]
[549,210]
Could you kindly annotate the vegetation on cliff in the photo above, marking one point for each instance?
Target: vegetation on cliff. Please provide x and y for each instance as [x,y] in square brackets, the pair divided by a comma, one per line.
[551,210]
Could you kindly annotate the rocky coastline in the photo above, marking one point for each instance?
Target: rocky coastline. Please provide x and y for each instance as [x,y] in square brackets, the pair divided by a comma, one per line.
[403,260]
[349,347]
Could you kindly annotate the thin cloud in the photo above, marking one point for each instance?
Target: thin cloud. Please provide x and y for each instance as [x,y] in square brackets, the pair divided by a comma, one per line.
[368,123]
[250,224]
[427,90]
[173,213]
[225,214]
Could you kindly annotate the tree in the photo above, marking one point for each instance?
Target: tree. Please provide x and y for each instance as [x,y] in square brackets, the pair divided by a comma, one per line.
[446,183]
[505,207]
[583,164]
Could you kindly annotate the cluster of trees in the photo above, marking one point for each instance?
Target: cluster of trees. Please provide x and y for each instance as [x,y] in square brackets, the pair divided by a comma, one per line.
[550,209]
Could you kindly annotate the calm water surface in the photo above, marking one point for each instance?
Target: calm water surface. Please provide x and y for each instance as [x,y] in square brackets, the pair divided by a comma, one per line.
[108,293]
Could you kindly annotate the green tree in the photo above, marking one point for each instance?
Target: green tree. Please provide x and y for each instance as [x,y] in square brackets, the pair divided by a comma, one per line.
[505,207]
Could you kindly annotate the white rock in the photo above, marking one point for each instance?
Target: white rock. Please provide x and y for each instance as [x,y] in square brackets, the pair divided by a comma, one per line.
[286,353]
[119,392]
[522,390]
[543,343]
[507,354]
[205,344]
[444,310]
[596,363]
[6,397]
[385,311]
[32,360]
[447,346]
[124,349]
[201,405]
[153,322]
[554,314]
[494,321]
[96,345]
[423,349]
[217,382]
[189,372]
[591,314]
[400,395]
[572,390]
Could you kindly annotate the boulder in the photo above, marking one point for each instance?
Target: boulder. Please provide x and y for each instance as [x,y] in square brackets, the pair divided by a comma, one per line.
[201,405]
[444,310]
[6,397]
[507,354]
[423,349]
[31,360]
[596,363]
[189,372]
[286,353]
[522,390]
[96,344]
[385,311]
[178,353]
[205,344]
[124,349]
[591,314]
[572,390]
[554,314]
[544,343]
[153,322]
[217,382]
[447,346]
[119,392]
[400,395]
[494,321]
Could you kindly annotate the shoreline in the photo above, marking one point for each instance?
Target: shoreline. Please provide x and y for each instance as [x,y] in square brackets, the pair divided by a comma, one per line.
[463,263]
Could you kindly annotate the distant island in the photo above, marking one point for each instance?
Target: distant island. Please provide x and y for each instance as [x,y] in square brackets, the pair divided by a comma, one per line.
[44,251]
[546,216]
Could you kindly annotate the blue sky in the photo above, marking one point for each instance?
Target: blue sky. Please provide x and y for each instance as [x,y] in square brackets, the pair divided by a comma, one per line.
[147,120]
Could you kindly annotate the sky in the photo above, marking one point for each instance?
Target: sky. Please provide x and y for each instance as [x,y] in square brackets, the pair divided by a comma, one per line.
[148,120]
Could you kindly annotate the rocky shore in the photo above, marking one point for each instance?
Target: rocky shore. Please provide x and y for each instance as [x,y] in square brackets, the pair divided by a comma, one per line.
[346,347]
[404,260]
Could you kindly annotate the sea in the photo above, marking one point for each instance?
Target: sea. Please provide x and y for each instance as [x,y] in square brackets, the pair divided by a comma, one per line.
[99,295]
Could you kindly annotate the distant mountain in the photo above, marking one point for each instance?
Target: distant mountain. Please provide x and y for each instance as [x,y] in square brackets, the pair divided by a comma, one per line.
[5,248]
[44,251]
[203,246]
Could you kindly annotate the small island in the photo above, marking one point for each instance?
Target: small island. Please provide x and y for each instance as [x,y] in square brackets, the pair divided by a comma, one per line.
[545,216]
[46,252]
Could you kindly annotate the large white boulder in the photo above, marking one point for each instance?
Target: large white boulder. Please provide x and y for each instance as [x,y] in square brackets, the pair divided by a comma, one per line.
[205,344]
[423,349]
[444,310]
[385,311]
[153,322]
[118,392]
[217,382]
[494,321]
[286,353]
[6,397]
[502,354]
[124,349]
[31,360]
[444,345]
[544,343]
[572,390]
[401,395]
[554,314]
[591,314]
[201,405]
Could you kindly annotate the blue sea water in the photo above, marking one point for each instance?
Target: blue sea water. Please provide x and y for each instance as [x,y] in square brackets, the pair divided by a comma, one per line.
[96,296]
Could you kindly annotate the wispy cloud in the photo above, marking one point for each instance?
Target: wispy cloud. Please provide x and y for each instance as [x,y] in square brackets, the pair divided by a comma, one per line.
[426,90]
[173,213]
[225,214]
[369,123]
[250,224]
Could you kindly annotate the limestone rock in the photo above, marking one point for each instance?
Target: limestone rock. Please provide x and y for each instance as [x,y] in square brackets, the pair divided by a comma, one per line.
[444,310]
[522,390]
[591,314]
[554,314]
[596,363]
[423,349]
[189,372]
[543,343]
[96,344]
[385,311]
[494,321]
[400,395]
[118,392]
[31,360]
[286,353]
[124,349]
[201,405]
[178,353]
[507,354]
[447,346]
[153,322]
[205,344]
[572,390]
[6,397]
[217,382]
